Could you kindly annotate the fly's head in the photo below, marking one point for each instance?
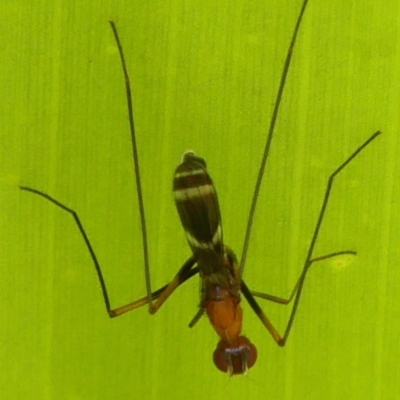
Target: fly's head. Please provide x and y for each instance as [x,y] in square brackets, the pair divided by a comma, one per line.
[235,358]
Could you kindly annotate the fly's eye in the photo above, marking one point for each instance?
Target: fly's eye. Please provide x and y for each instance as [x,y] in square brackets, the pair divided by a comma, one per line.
[235,358]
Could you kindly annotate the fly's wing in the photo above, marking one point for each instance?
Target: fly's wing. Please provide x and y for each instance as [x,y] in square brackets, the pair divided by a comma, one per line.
[197,204]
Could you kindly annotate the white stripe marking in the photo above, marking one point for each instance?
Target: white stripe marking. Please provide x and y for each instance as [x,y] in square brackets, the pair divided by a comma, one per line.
[193,172]
[193,242]
[193,193]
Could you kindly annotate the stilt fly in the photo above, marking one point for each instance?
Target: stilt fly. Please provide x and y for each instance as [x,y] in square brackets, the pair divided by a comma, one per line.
[219,270]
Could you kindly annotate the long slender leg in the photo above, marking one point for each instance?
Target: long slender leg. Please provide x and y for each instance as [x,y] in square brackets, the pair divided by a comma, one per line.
[162,294]
[281,341]
[270,297]
[184,273]
[184,276]
[284,301]
[250,294]
[271,130]
[196,318]
[135,154]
